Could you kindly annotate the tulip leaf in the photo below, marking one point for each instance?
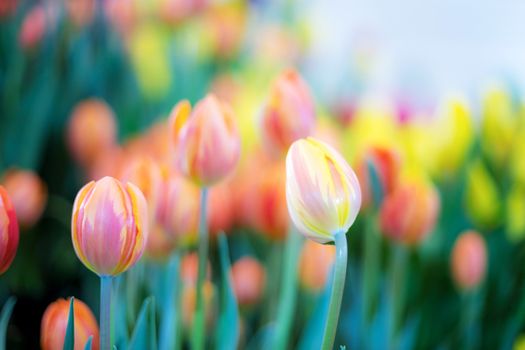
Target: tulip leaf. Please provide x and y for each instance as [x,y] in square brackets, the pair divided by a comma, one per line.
[169,337]
[375,184]
[227,333]
[312,336]
[69,340]
[144,334]
[4,320]
[89,343]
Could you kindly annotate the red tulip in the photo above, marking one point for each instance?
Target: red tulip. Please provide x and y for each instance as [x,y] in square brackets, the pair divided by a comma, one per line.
[8,231]
[469,260]
[249,280]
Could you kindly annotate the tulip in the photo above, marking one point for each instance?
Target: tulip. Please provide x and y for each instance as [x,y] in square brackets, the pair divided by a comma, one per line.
[315,264]
[409,213]
[159,245]
[7,7]
[481,197]
[269,213]
[54,324]
[33,27]
[469,260]
[189,299]
[225,26]
[322,191]
[81,12]
[206,139]
[8,231]
[189,269]
[91,131]
[498,126]
[220,215]
[179,217]
[249,280]
[109,229]
[146,174]
[323,197]
[28,194]
[289,113]
[385,163]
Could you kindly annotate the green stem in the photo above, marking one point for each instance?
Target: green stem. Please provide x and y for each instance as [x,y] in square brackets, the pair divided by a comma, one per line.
[336,297]
[288,296]
[397,285]
[105,312]
[198,321]
[371,259]
[469,309]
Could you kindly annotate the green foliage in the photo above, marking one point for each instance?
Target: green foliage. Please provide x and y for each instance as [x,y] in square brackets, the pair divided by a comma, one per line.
[4,320]
[69,339]
[144,335]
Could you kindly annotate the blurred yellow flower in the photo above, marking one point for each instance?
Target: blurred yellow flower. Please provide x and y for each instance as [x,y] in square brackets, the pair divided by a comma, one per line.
[481,196]
[517,161]
[519,344]
[498,126]
[149,56]
[515,208]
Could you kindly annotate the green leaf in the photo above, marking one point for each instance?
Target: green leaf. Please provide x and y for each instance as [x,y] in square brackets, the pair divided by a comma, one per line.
[88,343]
[4,320]
[144,335]
[69,340]
[227,333]
[170,332]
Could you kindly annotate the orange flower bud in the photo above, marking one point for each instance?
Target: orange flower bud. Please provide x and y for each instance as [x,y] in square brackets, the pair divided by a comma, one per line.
[189,301]
[220,213]
[54,324]
[178,209]
[109,227]
[410,212]
[8,231]
[386,165]
[33,27]
[289,113]
[249,280]
[189,269]
[315,265]
[469,260]
[91,131]
[28,194]
[207,140]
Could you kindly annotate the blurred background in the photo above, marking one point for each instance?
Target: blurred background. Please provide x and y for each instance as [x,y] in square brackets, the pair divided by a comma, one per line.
[87,85]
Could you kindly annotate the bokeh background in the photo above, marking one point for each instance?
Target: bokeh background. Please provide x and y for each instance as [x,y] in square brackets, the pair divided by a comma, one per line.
[439,81]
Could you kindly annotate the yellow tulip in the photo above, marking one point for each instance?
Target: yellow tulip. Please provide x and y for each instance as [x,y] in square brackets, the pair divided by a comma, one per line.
[481,196]
[515,208]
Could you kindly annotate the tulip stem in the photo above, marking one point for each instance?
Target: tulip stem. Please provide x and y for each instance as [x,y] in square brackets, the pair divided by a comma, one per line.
[336,297]
[397,285]
[469,319]
[198,321]
[105,312]
[287,301]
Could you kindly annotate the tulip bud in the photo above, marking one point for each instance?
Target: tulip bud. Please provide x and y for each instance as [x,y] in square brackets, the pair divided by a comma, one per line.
[8,231]
[249,280]
[189,268]
[409,213]
[220,213]
[315,265]
[28,194]
[91,131]
[514,209]
[269,211]
[33,27]
[289,113]
[178,209]
[385,164]
[189,301]
[54,324]
[144,173]
[469,260]
[159,245]
[109,227]
[482,202]
[322,191]
[207,141]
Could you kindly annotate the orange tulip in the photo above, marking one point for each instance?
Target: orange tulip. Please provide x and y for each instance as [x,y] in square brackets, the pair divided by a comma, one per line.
[289,113]
[386,165]
[315,265]
[206,139]
[469,260]
[54,324]
[109,227]
[8,231]
[410,212]
[220,212]
[28,194]
[189,268]
[91,131]
[249,280]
